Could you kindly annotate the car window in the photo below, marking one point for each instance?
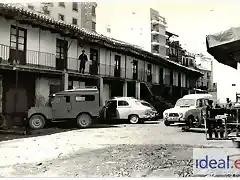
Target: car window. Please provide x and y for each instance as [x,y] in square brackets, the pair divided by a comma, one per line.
[123,103]
[85,98]
[199,103]
[206,102]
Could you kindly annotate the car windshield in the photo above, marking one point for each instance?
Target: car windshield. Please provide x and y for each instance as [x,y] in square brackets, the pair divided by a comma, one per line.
[185,102]
[50,99]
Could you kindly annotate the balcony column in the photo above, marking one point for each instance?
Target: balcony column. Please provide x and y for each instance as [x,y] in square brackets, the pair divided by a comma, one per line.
[101,91]
[125,89]
[65,80]
[137,94]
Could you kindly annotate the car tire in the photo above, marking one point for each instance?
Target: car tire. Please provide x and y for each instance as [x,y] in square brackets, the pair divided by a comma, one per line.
[37,121]
[167,123]
[134,119]
[84,120]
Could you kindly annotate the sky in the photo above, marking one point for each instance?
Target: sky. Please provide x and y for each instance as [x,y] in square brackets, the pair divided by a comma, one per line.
[192,21]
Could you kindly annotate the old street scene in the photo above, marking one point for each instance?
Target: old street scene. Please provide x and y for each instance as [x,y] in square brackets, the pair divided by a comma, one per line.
[99,89]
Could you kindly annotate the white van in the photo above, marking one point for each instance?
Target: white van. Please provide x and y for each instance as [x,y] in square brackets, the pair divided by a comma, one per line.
[190,109]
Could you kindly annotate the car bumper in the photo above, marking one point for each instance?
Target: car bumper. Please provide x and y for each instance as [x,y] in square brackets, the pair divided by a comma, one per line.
[175,119]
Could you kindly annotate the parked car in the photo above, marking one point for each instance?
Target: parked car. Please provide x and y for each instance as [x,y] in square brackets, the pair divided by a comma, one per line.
[190,109]
[155,115]
[80,105]
[125,108]
[159,104]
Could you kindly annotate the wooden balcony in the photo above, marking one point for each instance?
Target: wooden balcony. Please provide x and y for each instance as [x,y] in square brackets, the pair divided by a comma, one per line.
[42,61]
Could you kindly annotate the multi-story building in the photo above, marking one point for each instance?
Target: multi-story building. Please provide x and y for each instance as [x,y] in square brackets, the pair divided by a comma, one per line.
[188,59]
[81,14]
[204,64]
[39,56]
[174,49]
[158,33]
[143,27]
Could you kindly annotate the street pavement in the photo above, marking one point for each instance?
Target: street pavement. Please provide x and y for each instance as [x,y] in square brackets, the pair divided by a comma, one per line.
[126,150]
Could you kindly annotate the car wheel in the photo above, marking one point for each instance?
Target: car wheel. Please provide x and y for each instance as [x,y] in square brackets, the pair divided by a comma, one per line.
[167,123]
[84,120]
[37,122]
[134,119]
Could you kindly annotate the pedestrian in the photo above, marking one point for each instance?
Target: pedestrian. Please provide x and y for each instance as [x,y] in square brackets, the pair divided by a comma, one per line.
[83,59]
[211,122]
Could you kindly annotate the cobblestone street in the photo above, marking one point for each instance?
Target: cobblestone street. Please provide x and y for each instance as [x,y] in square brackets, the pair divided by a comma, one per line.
[144,150]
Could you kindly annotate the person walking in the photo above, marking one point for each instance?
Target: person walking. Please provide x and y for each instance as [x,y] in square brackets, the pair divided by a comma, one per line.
[83,59]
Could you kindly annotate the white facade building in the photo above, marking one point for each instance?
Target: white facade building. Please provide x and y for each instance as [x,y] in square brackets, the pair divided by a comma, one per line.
[81,14]
[137,25]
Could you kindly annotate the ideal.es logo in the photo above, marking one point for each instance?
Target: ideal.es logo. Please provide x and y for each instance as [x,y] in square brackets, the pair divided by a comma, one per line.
[221,163]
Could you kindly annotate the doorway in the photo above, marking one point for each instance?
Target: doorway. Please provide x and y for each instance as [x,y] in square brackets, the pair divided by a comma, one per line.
[61,54]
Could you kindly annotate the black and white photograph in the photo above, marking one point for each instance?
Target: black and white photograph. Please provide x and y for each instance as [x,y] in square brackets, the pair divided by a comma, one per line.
[119,89]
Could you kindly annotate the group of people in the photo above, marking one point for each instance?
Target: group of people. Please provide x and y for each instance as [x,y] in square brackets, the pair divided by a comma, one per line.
[215,126]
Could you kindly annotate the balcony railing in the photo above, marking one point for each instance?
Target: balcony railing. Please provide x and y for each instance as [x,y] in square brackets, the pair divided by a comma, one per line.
[155,32]
[47,61]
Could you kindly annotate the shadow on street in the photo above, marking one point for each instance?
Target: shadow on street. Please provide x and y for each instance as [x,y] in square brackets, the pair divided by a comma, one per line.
[52,128]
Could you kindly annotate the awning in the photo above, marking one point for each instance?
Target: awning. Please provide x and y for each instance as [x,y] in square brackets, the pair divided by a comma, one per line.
[225,46]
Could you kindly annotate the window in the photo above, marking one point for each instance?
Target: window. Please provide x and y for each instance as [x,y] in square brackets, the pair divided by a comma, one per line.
[61,17]
[149,69]
[18,38]
[123,103]
[61,50]
[75,6]
[93,11]
[161,76]
[94,26]
[179,79]
[67,99]
[171,77]
[108,30]
[85,98]
[74,21]
[93,54]
[135,63]
[62,4]
[199,103]
[31,7]
[117,62]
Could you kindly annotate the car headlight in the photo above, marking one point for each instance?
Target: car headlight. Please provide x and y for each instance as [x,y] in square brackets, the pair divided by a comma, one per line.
[180,115]
[165,114]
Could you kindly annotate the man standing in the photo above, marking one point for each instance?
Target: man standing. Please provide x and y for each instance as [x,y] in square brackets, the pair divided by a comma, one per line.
[83,59]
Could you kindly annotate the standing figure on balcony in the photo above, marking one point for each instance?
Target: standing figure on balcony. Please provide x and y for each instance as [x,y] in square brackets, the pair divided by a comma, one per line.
[83,59]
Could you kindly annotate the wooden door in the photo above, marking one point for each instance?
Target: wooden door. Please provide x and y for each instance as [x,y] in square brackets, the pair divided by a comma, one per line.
[18,39]
[61,54]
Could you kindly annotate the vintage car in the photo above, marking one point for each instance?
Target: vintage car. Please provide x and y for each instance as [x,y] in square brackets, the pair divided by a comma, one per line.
[190,109]
[125,108]
[155,114]
[80,105]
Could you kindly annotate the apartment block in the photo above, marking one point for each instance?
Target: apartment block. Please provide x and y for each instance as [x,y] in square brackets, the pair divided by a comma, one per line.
[81,14]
